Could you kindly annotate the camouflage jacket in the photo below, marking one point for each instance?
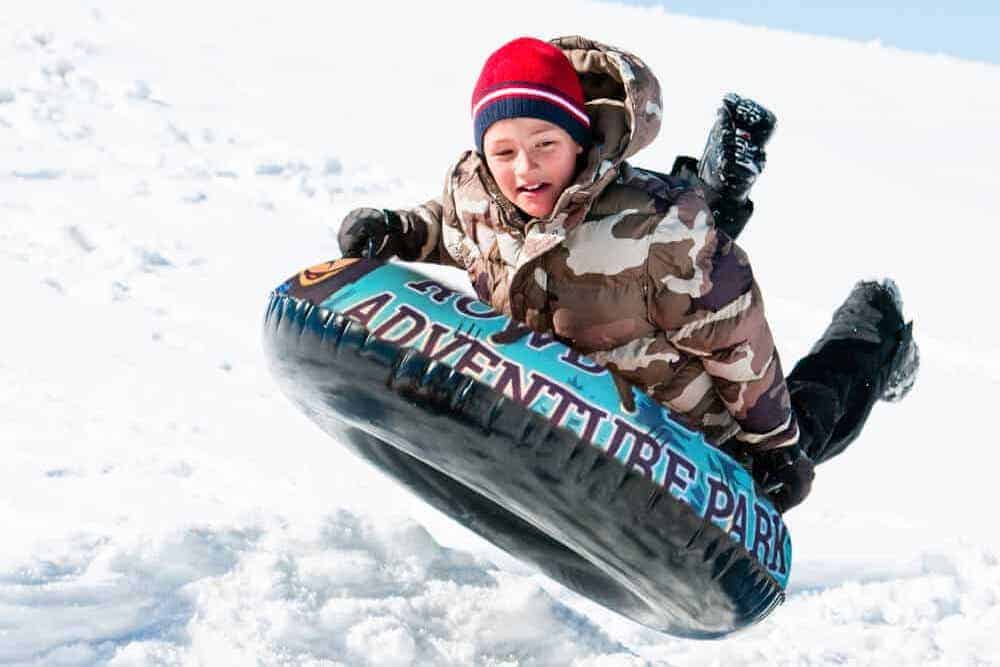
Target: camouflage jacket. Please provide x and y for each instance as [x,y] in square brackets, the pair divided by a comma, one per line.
[628,267]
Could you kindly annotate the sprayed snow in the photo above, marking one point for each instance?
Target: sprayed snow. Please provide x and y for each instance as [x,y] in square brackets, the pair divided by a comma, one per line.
[163,504]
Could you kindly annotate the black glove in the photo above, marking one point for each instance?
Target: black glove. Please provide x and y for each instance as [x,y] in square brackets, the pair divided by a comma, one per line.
[370,232]
[786,474]
[734,154]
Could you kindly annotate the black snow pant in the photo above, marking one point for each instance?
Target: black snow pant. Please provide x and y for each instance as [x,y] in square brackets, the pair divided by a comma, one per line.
[833,390]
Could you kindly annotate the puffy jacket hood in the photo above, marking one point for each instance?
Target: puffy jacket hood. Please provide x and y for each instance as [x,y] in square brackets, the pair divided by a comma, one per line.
[621,95]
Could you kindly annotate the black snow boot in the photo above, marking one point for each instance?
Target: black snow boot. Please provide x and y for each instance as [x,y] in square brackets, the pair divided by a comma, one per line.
[873,313]
[866,354]
[732,160]
[902,370]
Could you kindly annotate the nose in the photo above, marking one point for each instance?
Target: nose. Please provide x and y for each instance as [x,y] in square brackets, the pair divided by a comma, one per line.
[523,163]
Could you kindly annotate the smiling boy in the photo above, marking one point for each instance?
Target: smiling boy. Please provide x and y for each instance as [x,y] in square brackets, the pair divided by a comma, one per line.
[559,231]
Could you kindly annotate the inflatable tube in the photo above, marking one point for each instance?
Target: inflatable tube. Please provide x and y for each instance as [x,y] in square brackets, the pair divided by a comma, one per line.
[527,443]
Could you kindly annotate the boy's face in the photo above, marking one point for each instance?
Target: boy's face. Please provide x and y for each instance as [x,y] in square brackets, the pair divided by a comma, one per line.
[532,161]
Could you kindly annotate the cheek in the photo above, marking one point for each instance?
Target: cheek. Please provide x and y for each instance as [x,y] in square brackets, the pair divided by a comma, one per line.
[504,177]
[564,169]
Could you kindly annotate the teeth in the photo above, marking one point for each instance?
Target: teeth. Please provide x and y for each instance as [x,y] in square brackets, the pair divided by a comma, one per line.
[532,188]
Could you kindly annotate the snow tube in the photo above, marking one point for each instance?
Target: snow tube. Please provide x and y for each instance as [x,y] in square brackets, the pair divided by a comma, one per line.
[527,442]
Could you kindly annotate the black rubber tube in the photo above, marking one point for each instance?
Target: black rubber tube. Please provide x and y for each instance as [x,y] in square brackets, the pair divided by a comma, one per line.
[505,472]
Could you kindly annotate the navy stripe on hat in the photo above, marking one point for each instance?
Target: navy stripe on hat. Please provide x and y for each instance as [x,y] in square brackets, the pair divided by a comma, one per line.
[527,106]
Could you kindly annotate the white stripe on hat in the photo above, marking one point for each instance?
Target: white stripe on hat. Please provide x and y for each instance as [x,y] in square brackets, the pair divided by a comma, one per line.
[534,92]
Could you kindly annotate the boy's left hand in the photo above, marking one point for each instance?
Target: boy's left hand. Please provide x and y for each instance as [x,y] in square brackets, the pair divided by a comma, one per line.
[786,474]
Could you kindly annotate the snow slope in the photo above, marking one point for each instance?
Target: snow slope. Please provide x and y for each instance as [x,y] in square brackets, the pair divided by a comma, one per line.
[163,166]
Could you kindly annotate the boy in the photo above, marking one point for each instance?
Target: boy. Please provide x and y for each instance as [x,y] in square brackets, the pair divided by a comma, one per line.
[631,267]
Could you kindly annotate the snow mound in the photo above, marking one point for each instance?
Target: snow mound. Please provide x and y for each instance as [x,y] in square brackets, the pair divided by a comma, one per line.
[345,592]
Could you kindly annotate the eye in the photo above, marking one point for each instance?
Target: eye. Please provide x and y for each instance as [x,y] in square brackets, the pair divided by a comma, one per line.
[545,143]
[503,153]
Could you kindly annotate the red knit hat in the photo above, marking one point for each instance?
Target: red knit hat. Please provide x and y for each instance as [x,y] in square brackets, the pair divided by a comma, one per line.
[530,78]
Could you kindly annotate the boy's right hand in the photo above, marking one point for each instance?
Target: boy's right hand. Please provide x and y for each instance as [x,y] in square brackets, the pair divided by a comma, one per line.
[370,232]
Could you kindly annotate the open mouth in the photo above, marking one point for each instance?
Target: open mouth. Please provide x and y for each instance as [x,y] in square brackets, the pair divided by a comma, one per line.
[533,189]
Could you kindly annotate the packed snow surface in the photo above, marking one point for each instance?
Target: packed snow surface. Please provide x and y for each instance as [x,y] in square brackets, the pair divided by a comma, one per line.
[163,165]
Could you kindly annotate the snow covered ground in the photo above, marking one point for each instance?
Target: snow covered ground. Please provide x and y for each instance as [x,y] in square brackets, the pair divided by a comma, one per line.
[163,165]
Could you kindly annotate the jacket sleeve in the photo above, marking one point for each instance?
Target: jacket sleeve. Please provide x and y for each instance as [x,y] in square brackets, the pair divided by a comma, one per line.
[429,231]
[704,297]
[421,231]
[730,216]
